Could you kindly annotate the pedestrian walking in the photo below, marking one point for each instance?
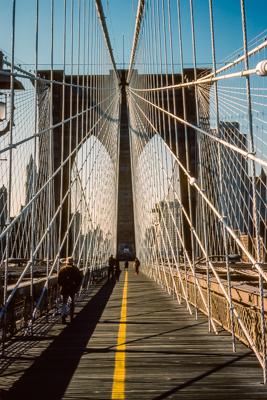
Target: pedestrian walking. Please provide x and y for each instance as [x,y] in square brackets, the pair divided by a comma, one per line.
[126,265]
[136,265]
[111,265]
[117,270]
[69,280]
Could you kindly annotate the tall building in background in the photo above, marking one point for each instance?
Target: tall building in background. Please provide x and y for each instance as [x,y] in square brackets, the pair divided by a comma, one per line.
[167,211]
[235,177]
[31,169]
[3,217]
[261,200]
[233,197]
[3,207]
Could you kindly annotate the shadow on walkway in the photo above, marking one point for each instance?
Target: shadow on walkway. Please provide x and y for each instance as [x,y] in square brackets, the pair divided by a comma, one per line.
[49,376]
[205,374]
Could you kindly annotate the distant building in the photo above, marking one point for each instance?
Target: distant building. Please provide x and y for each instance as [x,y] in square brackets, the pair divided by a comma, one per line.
[3,207]
[31,169]
[3,217]
[235,179]
[233,196]
[76,230]
[166,218]
[261,205]
[249,240]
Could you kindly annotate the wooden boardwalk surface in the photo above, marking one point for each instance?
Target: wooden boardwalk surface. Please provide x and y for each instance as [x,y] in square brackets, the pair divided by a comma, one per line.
[169,354]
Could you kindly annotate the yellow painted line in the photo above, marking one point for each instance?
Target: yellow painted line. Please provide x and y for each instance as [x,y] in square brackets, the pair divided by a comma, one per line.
[118,388]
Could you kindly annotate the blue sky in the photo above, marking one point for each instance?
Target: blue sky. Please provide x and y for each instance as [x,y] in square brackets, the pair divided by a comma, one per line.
[228,31]
[121,19]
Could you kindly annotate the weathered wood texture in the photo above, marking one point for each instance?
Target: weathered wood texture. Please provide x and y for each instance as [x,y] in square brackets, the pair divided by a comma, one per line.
[169,354]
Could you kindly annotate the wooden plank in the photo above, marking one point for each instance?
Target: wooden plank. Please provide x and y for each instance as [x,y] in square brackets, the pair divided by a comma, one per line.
[169,354]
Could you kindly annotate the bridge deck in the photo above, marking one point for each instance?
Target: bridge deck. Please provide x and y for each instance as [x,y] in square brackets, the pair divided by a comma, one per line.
[168,353]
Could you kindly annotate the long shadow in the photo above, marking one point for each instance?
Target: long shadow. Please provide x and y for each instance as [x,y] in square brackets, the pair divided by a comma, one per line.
[109,321]
[49,376]
[92,350]
[158,334]
[148,313]
[190,382]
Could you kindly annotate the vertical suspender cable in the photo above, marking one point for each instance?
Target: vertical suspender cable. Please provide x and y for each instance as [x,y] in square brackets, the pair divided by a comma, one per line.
[221,202]
[254,194]
[10,163]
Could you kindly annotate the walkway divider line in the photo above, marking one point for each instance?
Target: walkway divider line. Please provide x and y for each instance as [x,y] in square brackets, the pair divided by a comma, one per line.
[118,388]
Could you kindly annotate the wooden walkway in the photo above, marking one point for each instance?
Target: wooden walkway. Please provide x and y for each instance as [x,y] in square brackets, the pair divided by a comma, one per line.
[169,355]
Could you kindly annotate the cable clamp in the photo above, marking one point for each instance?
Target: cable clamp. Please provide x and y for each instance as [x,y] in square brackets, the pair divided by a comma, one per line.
[250,153]
[192,180]
[261,68]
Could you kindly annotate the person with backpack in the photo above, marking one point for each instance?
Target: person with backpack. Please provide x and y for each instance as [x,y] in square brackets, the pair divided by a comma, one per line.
[69,280]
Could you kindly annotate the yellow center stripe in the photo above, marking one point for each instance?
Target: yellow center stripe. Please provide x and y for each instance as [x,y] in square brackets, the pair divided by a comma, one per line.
[118,388]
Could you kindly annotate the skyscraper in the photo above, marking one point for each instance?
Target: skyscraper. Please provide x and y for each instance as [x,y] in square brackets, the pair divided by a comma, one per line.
[31,169]
[235,179]
[3,207]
